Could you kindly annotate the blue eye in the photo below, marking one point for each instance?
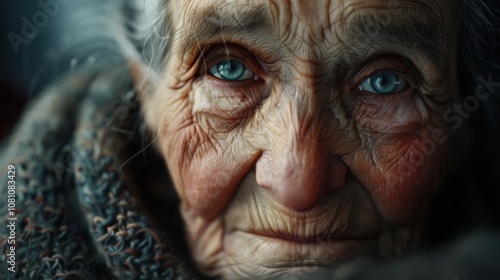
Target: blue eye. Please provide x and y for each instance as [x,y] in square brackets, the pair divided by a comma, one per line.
[385,82]
[231,70]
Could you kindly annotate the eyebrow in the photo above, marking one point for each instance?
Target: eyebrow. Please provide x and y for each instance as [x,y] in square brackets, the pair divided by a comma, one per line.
[416,32]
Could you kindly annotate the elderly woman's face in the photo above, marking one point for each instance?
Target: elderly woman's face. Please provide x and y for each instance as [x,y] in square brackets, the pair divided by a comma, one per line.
[302,133]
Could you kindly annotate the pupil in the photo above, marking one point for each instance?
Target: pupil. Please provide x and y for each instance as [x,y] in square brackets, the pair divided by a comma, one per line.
[385,82]
[230,69]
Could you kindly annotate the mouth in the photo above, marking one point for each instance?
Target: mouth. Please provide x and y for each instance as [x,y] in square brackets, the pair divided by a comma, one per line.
[280,249]
[295,238]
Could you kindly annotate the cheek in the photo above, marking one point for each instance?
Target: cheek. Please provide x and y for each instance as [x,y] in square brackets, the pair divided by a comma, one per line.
[401,173]
[205,168]
[399,162]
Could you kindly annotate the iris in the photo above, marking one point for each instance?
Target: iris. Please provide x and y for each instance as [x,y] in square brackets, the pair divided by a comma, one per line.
[385,82]
[231,70]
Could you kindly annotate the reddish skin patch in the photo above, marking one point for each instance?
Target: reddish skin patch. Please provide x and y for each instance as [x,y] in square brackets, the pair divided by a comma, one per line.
[401,189]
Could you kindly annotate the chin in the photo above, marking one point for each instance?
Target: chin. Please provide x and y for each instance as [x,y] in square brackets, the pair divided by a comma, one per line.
[257,237]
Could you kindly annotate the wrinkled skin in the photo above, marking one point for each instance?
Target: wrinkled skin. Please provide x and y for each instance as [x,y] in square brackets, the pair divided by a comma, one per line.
[299,166]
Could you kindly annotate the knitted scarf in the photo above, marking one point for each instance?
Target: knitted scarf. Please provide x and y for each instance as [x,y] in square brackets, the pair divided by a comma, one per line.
[77,214]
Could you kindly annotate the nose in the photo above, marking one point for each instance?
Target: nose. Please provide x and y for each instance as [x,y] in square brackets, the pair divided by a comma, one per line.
[298,169]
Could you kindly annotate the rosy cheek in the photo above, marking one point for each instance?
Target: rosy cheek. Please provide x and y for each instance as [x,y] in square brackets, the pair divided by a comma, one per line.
[401,173]
[205,170]
[399,161]
[189,154]
[206,151]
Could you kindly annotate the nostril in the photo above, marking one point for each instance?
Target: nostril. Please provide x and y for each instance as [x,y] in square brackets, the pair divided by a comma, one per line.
[337,174]
[303,195]
[300,185]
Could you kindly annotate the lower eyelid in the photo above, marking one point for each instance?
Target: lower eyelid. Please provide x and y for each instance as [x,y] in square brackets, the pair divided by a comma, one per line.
[362,97]
[227,103]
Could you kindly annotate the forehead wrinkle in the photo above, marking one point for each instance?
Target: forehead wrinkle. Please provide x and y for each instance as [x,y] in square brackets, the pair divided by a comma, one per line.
[406,39]
[206,24]
[356,27]
[304,21]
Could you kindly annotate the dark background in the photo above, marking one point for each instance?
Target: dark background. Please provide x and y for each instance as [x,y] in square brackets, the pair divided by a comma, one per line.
[73,31]
[58,37]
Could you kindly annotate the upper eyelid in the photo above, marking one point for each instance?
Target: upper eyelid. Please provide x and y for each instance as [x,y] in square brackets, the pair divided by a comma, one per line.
[399,65]
[403,75]
[218,53]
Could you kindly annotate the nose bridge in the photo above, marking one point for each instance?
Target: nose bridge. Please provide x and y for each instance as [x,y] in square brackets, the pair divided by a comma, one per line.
[299,89]
[294,165]
[300,117]
[302,156]
[302,124]
[297,116]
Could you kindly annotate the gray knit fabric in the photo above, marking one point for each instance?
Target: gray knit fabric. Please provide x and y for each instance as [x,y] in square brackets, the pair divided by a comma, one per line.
[77,215]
